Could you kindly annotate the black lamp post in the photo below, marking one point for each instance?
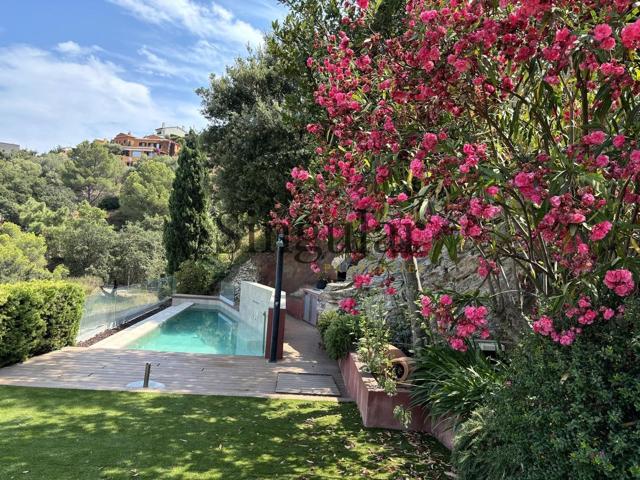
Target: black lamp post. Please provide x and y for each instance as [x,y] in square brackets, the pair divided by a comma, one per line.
[275,326]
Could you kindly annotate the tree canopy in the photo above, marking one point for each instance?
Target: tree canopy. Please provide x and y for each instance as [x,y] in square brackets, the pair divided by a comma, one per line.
[251,139]
[92,171]
[22,255]
[187,234]
[146,189]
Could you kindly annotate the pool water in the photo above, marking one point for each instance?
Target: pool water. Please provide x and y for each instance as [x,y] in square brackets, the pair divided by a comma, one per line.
[203,330]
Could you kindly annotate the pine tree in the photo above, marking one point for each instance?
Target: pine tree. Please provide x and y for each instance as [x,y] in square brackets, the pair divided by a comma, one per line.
[187,234]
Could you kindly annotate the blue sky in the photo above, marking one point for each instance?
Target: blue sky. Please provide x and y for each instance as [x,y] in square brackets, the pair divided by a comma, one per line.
[72,70]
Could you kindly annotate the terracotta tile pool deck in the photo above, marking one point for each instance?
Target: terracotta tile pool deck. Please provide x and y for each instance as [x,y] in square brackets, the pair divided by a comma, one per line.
[112,369]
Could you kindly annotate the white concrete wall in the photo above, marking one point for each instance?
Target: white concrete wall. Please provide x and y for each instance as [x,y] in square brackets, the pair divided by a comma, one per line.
[255,301]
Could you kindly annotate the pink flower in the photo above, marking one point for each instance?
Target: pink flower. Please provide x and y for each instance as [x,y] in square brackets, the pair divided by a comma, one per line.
[426,306]
[429,141]
[458,344]
[602,31]
[584,302]
[618,141]
[543,326]
[552,79]
[588,199]
[523,179]
[486,267]
[428,15]
[313,128]
[563,35]
[390,291]
[417,168]
[608,44]
[567,338]
[476,315]
[402,197]
[600,230]
[612,69]
[363,4]
[299,174]
[595,138]
[588,317]
[602,161]
[445,300]
[608,314]
[630,35]
[349,305]
[620,281]
[363,280]
[492,190]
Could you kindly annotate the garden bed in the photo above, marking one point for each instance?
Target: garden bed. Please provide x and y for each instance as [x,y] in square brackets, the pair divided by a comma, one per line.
[376,407]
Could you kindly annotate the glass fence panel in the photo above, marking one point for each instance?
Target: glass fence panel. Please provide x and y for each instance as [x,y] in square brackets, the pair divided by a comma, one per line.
[228,293]
[109,307]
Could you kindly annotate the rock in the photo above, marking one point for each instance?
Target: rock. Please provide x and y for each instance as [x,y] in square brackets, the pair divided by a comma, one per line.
[460,276]
[244,272]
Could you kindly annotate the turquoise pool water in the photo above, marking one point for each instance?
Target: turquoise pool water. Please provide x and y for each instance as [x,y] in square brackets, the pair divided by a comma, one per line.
[204,330]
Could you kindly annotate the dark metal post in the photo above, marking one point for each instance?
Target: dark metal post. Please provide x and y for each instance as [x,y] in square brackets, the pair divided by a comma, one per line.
[275,325]
[147,374]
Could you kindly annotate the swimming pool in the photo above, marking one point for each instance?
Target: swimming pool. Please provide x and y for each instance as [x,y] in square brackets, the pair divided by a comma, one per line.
[203,329]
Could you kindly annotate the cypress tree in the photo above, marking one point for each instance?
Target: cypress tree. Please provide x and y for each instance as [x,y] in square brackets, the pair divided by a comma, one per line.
[187,234]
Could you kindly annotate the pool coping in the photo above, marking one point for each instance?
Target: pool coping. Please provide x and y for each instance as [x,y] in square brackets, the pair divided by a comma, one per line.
[124,337]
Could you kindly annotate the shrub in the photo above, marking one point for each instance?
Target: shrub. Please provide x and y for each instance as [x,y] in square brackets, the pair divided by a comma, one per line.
[340,335]
[451,382]
[37,317]
[565,413]
[374,343]
[199,277]
[62,311]
[325,319]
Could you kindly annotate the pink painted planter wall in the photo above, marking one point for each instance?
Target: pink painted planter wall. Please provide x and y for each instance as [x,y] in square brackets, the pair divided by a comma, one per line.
[295,307]
[376,407]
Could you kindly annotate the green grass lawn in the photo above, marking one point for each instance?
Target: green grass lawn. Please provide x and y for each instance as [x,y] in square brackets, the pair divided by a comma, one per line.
[73,434]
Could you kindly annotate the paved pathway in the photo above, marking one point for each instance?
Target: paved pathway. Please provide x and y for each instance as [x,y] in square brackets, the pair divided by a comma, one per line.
[112,369]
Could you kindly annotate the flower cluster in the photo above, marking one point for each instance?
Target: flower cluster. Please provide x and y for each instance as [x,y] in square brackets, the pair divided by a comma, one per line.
[505,127]
[457,329]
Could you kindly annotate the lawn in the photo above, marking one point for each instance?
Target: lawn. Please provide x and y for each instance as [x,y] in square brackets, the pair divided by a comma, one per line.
[74,434]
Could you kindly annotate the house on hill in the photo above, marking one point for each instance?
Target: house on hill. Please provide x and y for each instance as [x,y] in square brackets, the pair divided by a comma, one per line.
[169,132]
[133,148]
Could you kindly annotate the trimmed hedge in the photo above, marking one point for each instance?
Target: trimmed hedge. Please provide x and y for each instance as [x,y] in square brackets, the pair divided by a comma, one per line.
[38,317]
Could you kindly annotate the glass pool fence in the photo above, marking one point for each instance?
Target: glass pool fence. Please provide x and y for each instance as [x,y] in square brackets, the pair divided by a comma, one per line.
[108,307]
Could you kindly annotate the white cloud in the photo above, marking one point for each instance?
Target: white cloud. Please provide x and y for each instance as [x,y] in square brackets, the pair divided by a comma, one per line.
[157,65]
[49,100]
[205,21]
[191,63]
[71,48]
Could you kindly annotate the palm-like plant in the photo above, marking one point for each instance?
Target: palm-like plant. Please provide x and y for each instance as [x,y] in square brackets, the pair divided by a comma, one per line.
[454,383]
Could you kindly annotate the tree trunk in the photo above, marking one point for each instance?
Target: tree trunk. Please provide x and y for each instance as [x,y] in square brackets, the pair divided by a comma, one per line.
[412,289]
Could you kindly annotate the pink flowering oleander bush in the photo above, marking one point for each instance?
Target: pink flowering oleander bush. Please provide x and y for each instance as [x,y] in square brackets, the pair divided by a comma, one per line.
[561,413]
[508,128]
